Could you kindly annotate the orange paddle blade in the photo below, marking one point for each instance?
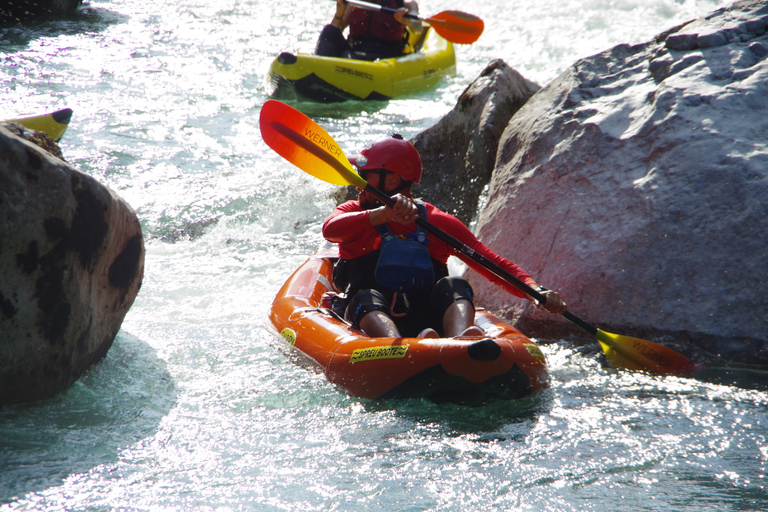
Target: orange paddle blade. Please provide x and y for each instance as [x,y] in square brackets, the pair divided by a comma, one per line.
[305,144]
[457,27]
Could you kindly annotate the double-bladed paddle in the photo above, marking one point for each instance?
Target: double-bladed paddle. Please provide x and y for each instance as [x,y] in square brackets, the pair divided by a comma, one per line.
[454,26]
[304,143]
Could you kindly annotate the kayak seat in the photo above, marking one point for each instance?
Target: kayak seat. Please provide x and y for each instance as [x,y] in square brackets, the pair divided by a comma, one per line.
[334,302]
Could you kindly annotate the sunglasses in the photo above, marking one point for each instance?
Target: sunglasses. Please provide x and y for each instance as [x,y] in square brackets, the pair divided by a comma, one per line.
[364,173]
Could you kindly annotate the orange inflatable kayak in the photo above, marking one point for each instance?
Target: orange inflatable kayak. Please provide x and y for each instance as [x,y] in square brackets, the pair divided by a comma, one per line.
[467,370]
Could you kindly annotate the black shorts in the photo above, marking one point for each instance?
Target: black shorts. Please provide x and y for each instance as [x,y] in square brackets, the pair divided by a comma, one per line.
[424,311]
[332,42]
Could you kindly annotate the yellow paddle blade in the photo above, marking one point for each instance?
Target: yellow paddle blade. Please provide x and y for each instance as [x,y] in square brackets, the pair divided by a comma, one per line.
[638,354]
[305,144]
[457,27]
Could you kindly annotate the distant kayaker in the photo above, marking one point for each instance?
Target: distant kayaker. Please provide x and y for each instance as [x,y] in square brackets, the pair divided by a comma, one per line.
[372,34]
[394,276]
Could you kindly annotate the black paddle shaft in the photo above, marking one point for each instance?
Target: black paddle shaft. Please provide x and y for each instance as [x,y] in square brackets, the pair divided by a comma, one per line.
[482,260]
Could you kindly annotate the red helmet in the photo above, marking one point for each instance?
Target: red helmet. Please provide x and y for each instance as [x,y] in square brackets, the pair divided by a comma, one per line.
[394,155]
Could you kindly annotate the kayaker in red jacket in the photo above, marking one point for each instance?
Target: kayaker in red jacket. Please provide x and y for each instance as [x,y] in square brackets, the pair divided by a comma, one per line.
[443,306]
[372,34]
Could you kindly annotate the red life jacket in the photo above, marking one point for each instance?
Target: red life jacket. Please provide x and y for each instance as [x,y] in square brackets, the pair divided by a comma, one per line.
[366,24]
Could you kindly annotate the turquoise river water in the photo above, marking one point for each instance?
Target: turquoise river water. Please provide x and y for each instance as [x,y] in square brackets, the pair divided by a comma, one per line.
[197,408]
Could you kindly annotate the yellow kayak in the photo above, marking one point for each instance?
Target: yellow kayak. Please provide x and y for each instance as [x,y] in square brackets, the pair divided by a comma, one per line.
[54,124]
[331,79]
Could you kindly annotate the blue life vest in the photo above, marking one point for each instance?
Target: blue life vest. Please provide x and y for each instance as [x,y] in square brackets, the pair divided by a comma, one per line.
[405,264]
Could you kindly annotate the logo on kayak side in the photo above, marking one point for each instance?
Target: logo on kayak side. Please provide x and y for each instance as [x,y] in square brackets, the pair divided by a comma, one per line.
[354,72]
[289,335]
[374,353]
[534,350]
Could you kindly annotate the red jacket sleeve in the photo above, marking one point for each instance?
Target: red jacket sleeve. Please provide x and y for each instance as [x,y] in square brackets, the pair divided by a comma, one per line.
[346,222]
[458,230]
[350,227]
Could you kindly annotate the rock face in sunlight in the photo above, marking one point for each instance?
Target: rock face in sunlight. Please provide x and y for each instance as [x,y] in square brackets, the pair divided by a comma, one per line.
[636,183]
[458,152]
[21,10]
[71,261]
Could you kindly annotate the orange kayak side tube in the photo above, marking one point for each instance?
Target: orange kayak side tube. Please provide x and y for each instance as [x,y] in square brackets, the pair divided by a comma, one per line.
[504,364]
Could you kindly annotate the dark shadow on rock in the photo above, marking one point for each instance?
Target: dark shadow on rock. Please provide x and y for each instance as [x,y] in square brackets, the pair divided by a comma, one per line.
[714,369]
[739,376]
[704,349]
[20,11]
[459,151]
[120,402]
[16,36]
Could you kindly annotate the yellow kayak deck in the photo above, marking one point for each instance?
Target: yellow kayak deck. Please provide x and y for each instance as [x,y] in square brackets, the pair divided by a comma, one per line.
[331,79]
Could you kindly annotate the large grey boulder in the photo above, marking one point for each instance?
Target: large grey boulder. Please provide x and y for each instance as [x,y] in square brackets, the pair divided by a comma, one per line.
[636,184]
[71,265]
[458,152]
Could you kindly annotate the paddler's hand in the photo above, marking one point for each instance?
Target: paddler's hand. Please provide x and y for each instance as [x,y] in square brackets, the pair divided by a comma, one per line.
[400,15]
[554,303]
[404,211]
[341,8]
[414,25]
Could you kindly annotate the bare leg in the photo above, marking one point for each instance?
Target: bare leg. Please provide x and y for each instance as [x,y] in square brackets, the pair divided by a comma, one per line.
[379,325]
[458,317]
